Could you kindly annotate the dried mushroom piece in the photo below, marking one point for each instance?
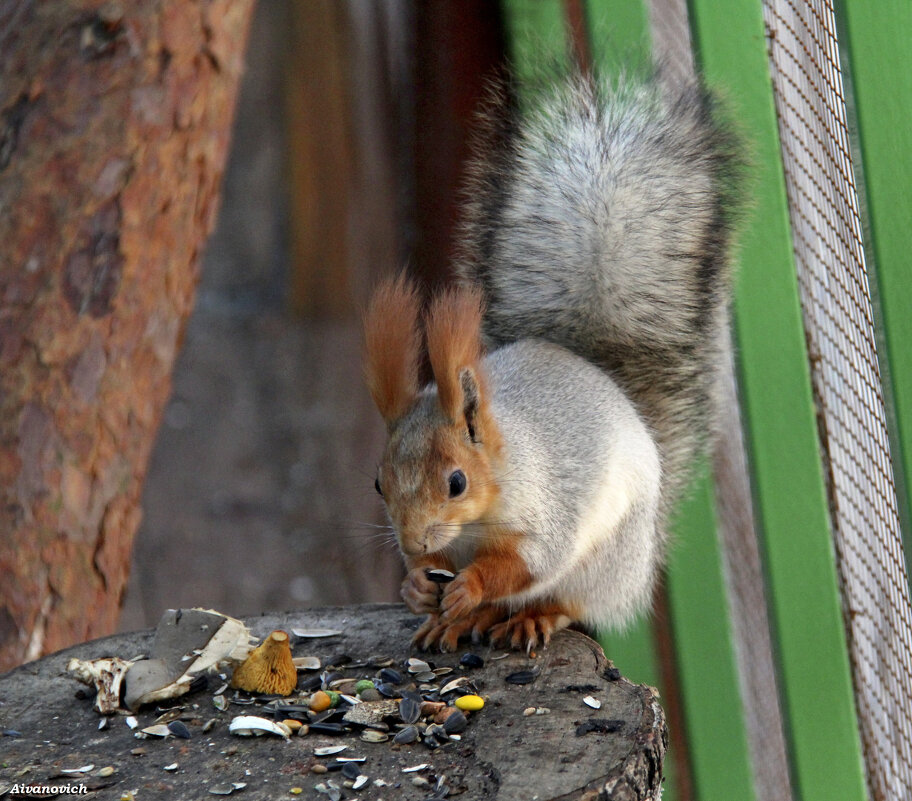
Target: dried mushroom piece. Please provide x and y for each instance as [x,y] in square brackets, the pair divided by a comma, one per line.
[269,669]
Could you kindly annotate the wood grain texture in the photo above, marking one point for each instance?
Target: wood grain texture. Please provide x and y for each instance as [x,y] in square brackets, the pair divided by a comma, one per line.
[502,754]
[114,125]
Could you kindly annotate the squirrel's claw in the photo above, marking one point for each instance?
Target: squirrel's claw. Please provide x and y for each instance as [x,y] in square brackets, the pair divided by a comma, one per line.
[446,635]
[529,628]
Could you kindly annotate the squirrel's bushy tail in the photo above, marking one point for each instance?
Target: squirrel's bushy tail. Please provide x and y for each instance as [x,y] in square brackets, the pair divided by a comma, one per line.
[602,221]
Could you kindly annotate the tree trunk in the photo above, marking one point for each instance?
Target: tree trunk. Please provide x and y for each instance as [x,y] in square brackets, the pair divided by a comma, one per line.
[114,125]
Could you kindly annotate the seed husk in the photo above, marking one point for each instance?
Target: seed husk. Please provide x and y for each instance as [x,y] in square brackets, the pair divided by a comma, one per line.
[455,721]
[406,736]
[409,710]
[374,736]
[179,729]
[439,576]
[390,676]
[350,770]
[329,750]
[521,677]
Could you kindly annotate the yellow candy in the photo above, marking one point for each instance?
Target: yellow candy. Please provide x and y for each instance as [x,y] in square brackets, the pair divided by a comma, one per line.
[469,703]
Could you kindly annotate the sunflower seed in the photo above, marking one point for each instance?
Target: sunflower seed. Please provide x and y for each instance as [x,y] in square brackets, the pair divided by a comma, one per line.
[409,710]
[406,736]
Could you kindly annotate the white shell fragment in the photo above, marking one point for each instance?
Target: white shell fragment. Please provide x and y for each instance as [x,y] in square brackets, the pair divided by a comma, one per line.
[360,782]
[452,685]
[593,702]
[131,722]
[415,768]
[329,750]
[83,769]
[314,633]
[172,766]
[306,663]
[251,725]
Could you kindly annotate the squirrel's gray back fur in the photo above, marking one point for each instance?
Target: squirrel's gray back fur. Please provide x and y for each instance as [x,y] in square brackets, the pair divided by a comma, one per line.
[602,222]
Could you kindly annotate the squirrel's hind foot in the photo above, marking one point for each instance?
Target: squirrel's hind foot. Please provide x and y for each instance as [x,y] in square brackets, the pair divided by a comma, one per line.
[530,627]
[445,634]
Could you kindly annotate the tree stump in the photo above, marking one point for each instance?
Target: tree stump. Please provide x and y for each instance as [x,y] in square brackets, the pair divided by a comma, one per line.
[506,752]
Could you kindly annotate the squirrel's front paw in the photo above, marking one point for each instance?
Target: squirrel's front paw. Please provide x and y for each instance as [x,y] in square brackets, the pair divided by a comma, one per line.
[420,594]
[462,595]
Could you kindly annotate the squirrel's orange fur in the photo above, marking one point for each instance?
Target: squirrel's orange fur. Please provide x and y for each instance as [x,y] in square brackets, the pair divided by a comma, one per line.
[392,344]
[453,329]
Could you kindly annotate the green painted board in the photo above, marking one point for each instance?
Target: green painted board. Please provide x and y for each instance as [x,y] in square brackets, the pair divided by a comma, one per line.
[619,35]
[707,669]
[790,501]
[537,38]
[875,39]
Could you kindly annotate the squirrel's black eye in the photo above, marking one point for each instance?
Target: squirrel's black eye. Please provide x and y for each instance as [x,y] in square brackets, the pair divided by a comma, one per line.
[377,487]
[457,483]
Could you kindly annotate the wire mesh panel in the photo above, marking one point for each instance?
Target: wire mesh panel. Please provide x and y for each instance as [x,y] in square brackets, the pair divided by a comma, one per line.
[741,555]
[855,445]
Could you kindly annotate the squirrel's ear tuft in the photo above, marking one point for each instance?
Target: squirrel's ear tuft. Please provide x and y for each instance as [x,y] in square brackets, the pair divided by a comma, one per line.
[392,344]
[454,343]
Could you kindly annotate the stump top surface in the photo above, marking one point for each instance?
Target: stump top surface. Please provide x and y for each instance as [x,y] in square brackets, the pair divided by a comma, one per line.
[502,754]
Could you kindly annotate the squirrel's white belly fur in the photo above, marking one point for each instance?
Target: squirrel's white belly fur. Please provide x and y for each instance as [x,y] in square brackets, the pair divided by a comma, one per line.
[611,520]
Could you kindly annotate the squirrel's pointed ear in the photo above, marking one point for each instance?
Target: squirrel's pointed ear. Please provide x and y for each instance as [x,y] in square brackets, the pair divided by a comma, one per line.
[453,326]
[392,345]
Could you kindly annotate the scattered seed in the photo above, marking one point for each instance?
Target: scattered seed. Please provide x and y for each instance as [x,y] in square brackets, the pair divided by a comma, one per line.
[420,781]
[528,711]
[417,665]
[318,768]
[409,710]
[296,790]
[172,767]
[450,686]
[390,676]
[374,736]
[158,730]
[521,677]
[83,769]
[220,702]
[306,663]
[209,725]
[469,703]
[455,721]
[138,751]
[360,782]
[319,701]
[102,724]
[406,736]
[293,724]
[106,771]
[590,701]
[439,576]
[131,722]
[426,676]
[179,729]
[415,768]
[351,771]
[370,695]
[470,660]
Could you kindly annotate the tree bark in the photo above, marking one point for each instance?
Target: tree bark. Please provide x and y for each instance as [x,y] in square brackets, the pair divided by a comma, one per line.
[114,125]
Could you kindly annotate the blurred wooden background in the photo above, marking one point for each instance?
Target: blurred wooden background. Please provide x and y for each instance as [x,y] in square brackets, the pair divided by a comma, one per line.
[346,160]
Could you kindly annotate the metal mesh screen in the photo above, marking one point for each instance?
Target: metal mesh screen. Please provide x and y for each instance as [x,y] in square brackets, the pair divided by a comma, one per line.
[740,548]
[836,303]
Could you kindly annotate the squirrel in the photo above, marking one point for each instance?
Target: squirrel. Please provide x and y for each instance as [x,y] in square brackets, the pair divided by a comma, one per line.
[574,363]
